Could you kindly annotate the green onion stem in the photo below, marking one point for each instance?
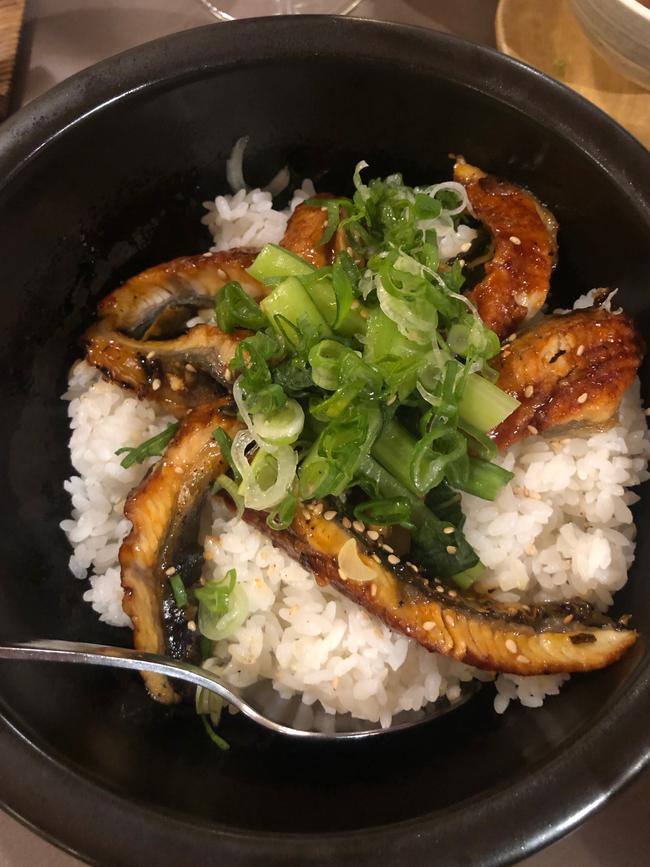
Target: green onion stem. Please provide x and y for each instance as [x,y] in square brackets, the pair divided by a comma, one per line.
[214,737]
[465,579]
[291,301]
[274,261]
[484,479]
[178,589]
[394,449]
[484,405]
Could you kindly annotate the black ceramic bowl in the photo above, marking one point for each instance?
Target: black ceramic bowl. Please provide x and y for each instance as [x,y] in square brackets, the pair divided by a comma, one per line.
[104,176]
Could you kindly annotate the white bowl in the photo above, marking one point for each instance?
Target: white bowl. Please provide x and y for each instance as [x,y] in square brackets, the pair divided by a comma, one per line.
[620,31]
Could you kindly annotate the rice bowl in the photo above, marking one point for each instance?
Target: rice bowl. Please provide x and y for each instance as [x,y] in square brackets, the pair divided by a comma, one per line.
[562,528]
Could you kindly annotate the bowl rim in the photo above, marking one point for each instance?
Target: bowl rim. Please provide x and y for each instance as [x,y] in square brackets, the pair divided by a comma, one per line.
[528,821]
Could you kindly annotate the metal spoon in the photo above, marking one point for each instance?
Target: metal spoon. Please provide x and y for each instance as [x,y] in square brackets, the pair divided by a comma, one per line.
[259,702]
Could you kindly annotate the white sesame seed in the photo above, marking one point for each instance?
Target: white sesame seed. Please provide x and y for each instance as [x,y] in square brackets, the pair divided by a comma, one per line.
[515,240]
[150,354]
[511,646]
[531,550]
[534,495]
[155,385]
[190,367]
[583,397]
[175,382]
[363,313]
[191,625]
[179,471]
[359,526]
[329,515]
[453,594]
[227,375]
[388,549]
[428,625]
[465,247]
[317,509]
[532,429]
[170,571]
[523,659]
[376,558]
[393,559]
[511,337]
[448,530]
[580,349]
[528,391]
[391,400]
[412,566]
[373,589]
[347,523]
[349,251]
[451,549]
[373,535]
[222,274]
[440,588]
[449,619]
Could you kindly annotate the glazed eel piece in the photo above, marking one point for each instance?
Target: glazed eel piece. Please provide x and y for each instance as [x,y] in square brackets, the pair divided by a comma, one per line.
[524,236]
[570,370]
[474,629]
[160,299]
[165,510]
[177,374]
[305,229]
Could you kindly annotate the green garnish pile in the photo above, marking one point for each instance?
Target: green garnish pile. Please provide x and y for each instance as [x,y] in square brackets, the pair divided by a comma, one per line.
[368,381]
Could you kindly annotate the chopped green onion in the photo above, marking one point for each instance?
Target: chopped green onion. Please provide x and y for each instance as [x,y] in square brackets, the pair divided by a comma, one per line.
[233,308]
[215,595]
[290,300]
[484,405]
[383,512]
[178,589]
[467,577]
[282,516]
[223,607]
[214,737]
[152,447]
[224,441]
[231,487]
[333,218]
[274,261]
[485,479]
[281,427]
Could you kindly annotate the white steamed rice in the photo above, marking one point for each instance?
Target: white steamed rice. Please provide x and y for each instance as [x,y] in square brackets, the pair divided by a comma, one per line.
[562,528]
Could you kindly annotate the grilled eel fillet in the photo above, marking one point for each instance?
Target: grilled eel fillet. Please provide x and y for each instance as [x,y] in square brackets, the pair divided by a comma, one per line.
[177,374]
[569,370]
[164,510]
[180,286]
[474,629]
[517,278]
[304,231]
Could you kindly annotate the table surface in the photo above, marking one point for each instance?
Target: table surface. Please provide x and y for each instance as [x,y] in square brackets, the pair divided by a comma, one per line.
[63,36]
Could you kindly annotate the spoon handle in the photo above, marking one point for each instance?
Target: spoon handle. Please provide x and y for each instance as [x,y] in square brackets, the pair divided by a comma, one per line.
[116,657]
